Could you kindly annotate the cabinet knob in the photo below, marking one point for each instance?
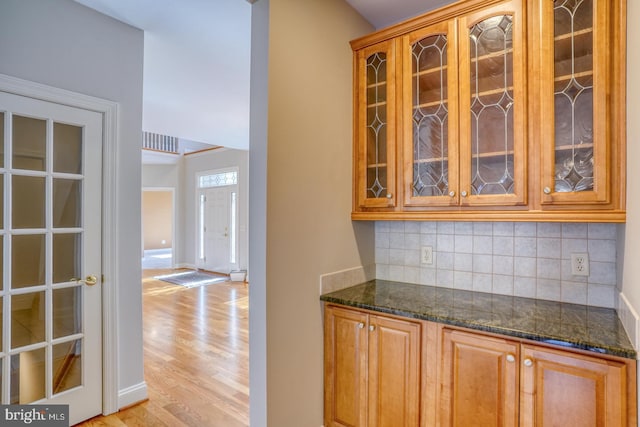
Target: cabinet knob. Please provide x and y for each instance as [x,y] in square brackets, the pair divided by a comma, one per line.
[511,358]
[463,194]
[372,328]
[389,195]
[528,362]
[547,190]
[360,325]
[452,194]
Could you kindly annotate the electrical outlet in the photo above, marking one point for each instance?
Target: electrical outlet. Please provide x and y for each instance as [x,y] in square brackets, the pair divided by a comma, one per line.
[580,264]
[426,255]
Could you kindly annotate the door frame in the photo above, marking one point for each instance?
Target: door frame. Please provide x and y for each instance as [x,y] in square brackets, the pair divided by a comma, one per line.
[110,122]
[198,192]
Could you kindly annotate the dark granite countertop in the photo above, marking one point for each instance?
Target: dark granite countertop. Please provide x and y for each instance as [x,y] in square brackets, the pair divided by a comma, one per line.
[569,325]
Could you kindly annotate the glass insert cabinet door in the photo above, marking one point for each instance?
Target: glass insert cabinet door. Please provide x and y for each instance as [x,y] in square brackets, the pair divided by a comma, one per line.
[492,106]
[430,100]
[50,240]
[574,107]
[376,122]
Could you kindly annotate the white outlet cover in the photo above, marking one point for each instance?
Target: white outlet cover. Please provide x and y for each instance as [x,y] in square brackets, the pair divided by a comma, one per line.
[580,264]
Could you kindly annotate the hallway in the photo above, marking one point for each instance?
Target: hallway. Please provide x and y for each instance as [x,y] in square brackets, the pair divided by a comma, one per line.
[196,357]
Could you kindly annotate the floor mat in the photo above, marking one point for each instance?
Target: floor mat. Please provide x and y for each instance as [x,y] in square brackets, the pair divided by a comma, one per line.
[191,279]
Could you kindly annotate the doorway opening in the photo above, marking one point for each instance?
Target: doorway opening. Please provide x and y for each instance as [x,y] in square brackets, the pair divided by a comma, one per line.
[158,235]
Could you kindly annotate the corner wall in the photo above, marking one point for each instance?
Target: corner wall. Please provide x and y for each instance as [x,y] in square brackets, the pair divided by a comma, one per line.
[63,44]
[308,200]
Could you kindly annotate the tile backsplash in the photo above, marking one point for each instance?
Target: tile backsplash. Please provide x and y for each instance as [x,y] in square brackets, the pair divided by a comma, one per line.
[511,258]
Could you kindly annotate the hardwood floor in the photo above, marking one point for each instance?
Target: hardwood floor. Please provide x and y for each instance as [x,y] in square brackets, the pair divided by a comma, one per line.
[196,357]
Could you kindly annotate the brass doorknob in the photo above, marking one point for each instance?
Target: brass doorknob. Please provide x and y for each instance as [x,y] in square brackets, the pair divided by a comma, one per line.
[89,280]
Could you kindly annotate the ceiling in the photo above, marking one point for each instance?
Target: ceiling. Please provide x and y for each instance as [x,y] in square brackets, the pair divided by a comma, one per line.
[196,61]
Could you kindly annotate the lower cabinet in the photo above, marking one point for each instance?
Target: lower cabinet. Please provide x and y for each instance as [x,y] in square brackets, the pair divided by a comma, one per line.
[490,381]
[372,369]
[385,371]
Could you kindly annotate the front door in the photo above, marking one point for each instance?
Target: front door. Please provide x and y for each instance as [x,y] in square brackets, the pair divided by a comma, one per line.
[50,242]
[217,228]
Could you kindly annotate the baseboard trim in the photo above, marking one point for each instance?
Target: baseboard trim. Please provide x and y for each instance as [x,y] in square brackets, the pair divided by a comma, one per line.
[630,320]
[186,265]
[129,396]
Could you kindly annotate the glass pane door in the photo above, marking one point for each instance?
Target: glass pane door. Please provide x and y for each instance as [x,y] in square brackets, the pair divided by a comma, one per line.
[50,235]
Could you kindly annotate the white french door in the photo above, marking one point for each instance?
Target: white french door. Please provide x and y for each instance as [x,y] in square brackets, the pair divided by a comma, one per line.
[50,246]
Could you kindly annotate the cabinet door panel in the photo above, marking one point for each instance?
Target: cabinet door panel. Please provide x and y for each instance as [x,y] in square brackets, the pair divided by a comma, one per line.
[394,372]
[493,106]
[345,343]
[376,125]
[478,381]
[575,108]
[431,114]
[562,389]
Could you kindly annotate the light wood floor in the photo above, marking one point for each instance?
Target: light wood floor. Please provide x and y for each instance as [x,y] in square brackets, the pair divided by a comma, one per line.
[196,357]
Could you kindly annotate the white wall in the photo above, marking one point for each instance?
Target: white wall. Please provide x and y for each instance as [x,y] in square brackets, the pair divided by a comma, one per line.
[63,44]
[631,241]
[306,140]
[206,161]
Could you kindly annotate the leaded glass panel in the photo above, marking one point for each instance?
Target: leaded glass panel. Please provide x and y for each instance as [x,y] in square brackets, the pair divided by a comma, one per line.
[430,116]
[376,125]
[492,102]
[573,95]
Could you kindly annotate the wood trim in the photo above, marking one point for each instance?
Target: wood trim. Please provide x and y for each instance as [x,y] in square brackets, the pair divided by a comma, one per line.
[204,150]
[615,216]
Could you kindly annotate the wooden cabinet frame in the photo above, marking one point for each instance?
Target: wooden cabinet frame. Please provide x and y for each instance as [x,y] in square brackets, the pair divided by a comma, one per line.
[533,121]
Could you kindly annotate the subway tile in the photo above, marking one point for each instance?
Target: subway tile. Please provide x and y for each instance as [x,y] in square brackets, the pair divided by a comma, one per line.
[525,246]
[503,245]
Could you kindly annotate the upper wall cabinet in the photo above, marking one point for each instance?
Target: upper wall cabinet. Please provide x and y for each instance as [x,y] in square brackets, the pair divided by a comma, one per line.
[493,110]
